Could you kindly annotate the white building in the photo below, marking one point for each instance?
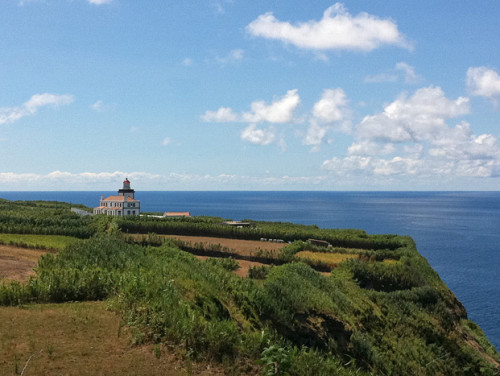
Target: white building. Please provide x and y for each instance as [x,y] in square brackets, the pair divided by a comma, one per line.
[122,204]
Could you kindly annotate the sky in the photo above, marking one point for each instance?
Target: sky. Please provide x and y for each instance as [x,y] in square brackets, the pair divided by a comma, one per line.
[249,95]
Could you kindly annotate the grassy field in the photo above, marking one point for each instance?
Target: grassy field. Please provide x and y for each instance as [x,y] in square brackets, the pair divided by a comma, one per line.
[55,242]
[329,258]
[80,339]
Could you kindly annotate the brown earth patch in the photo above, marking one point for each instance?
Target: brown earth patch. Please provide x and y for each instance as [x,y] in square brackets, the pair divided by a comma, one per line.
[244,266]
[242,247]
[81,339]
[18,263]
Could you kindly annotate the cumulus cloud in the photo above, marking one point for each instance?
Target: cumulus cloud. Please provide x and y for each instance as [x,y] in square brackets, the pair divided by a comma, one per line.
[482,81]
[331,107]
[258,136]
[413,135]
[366,147]
[315,135]
[279,111]
[166,141]
[222,115]
[420,117]
[461,143]
[395,166]
[401,72]
[337,30]
[332,112]
[12,114]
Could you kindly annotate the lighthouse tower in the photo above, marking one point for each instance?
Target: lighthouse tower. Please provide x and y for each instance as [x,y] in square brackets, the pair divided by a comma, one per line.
[126,191]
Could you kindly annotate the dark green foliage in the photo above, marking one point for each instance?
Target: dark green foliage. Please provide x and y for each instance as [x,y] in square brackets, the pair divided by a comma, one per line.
[387,277]
[228,263]
[209,226]
[43,217]
[258,272]
[277,360]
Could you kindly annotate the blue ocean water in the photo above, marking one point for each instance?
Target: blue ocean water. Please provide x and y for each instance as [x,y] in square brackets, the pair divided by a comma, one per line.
[457,232]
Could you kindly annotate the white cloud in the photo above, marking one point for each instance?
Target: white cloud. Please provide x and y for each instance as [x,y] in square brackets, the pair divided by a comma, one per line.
[12,114]
[97,106]
[405,166]
[99,2]
[337,30]
[482,81]
[430,147]
[461,144]
[401,72]
[219,5]
[258,136]
[94,2]
[222,115]
[166,141]
[187,62]
[366,147]
[232,57]
[279,111]
[58,180]
[410,77]
[381,78]
[315,135]
[420,117]
[331,107]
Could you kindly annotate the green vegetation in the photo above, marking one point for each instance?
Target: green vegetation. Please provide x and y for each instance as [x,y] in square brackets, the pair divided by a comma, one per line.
[212,226]
[52,242]
[366,317]
[43,217]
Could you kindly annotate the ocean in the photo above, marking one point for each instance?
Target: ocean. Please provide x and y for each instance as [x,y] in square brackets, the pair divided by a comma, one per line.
[457,232]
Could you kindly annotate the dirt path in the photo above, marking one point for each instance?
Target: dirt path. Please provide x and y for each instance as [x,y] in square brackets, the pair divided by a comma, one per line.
[242,247]
[18,263]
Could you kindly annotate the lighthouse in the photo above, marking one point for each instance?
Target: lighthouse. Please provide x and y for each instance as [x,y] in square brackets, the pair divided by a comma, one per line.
[120,205]
[126,190]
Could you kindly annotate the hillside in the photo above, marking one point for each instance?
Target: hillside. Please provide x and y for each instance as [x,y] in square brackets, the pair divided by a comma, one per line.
[369,304]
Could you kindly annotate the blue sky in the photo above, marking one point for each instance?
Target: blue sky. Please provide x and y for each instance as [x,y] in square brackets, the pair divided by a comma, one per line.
[240,95]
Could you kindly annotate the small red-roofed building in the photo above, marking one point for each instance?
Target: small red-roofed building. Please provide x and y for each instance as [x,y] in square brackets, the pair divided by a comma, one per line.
[177,214]
[120,205]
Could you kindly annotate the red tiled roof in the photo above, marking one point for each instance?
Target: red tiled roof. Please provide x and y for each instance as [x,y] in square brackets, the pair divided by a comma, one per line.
[177,214]
[119,198]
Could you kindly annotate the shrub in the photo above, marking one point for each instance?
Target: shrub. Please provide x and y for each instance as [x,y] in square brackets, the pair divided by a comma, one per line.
[258,272]
[228,263]
[276,360]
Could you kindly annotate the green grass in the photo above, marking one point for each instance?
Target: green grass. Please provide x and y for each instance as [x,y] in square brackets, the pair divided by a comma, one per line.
[55,242]
[366,317]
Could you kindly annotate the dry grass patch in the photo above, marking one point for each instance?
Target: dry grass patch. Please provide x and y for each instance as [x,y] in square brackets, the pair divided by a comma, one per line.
[329,258]
[79,339]
[18,263]
[241,247]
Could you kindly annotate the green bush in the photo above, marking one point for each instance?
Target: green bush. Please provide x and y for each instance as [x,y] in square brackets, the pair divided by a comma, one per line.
[258,272]
[228,263]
